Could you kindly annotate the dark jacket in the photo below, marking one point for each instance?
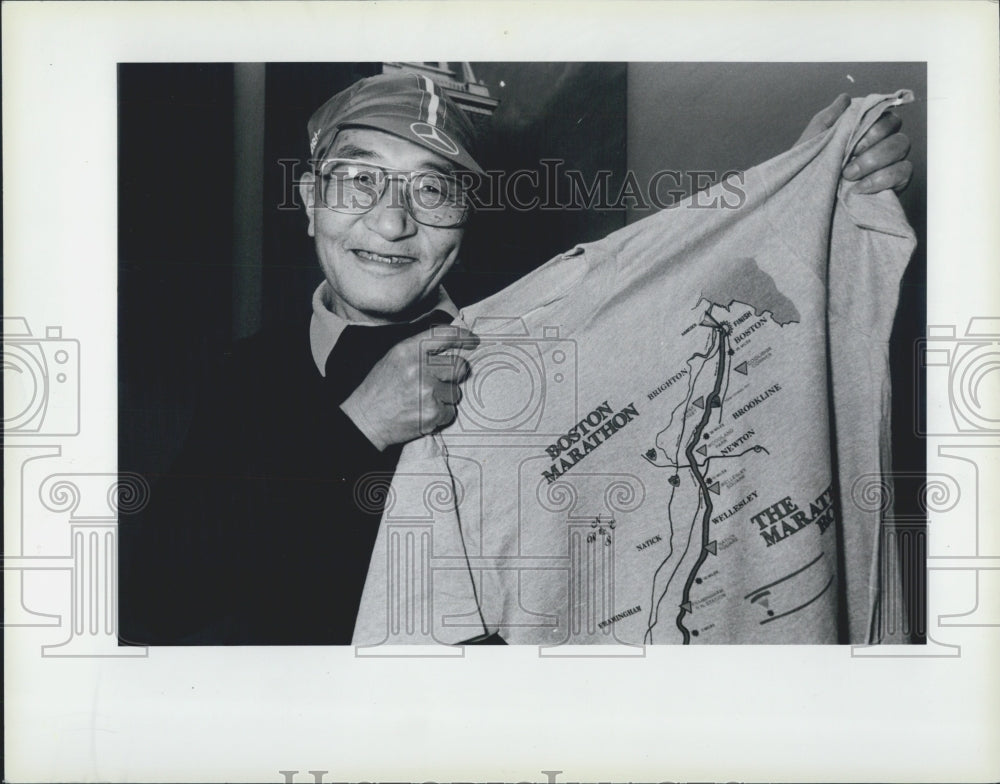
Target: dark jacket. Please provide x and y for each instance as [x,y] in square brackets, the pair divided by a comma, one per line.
[253,537]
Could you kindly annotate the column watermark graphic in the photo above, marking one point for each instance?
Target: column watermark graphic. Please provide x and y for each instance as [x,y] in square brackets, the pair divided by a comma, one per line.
[951,533]
[42,408]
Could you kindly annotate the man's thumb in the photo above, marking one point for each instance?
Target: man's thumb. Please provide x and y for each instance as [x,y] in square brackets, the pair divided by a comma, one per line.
[459,337]
[825,118]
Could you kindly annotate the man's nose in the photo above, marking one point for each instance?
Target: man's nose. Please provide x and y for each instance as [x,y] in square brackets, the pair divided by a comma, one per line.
[389,217]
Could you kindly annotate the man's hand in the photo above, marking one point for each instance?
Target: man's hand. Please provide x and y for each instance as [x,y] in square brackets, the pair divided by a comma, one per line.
[879,160]
[414,389]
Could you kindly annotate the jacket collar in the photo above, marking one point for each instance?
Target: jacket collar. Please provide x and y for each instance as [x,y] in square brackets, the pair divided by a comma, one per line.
[326,327]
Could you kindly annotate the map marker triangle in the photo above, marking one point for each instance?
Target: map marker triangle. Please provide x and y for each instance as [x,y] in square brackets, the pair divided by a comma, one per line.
[700,402]
[741,368]
[702,450]
[686,607]
[712,547]
[714,488]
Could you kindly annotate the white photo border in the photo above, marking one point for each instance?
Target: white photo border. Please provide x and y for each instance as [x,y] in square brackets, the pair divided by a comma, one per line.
[247,714]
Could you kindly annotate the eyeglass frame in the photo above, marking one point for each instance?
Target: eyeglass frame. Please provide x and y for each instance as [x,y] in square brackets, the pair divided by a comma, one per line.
[407,176]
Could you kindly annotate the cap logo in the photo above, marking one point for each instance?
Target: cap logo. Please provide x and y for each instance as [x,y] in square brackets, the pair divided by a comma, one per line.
[313,141]
[434,137]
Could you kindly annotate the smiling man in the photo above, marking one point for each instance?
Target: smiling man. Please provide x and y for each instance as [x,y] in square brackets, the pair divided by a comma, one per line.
[265,510]
[264,530]
[387,210]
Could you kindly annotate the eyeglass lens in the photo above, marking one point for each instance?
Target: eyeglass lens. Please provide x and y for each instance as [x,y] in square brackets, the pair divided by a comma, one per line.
[430,198]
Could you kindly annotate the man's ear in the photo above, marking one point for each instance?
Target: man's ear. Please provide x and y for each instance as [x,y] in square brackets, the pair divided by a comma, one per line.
[307,189]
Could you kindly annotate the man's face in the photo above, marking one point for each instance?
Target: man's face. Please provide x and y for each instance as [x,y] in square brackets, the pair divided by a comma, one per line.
[382,263]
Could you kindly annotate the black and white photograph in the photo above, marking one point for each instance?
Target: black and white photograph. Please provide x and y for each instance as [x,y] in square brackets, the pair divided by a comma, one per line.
[579,251]
[351,393]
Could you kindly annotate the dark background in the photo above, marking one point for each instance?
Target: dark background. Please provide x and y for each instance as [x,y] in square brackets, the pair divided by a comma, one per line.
[212,240]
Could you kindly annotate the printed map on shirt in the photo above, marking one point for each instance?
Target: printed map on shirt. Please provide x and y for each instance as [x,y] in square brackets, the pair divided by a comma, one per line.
[670,435]
[710,451]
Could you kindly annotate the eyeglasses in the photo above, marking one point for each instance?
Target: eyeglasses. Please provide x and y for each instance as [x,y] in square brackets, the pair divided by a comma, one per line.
[429,197]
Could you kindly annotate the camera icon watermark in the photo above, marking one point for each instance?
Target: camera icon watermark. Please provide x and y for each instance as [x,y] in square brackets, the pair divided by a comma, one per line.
[965,369]
[41,381]
[520,383]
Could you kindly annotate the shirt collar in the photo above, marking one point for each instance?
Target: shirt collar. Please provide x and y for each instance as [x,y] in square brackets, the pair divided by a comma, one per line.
[326,326]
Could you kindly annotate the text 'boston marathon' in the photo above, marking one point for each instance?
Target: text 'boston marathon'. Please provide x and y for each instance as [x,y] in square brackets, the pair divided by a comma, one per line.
[590,432]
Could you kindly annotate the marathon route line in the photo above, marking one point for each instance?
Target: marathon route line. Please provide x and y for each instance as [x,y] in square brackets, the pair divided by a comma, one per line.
[654,611]
[713,400]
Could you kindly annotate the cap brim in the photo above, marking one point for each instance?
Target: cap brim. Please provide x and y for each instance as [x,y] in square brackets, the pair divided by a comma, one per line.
[427,136]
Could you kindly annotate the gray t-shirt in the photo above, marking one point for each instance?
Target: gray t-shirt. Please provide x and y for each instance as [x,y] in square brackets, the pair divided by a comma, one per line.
[671,435]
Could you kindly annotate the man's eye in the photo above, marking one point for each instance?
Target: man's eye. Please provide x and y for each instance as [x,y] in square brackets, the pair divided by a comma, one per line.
[436,186]
[353,175]
[432,188]
[362,177]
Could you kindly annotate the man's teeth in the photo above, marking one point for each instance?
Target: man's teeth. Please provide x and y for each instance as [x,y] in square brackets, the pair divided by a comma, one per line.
[383,259]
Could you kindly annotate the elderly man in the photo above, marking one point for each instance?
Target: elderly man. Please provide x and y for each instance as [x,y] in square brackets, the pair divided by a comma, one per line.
[262,534]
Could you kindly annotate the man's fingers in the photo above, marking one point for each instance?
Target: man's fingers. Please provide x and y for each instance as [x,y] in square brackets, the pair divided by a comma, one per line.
[449,367]
[448,393]
[462,369]
[884,126]
[439,339]
[441,358]
[447,415]
[437,414]
[827,117]
[880,155]
[897,176]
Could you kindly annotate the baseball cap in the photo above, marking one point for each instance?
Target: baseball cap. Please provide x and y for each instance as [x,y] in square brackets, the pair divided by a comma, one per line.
[407,105]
